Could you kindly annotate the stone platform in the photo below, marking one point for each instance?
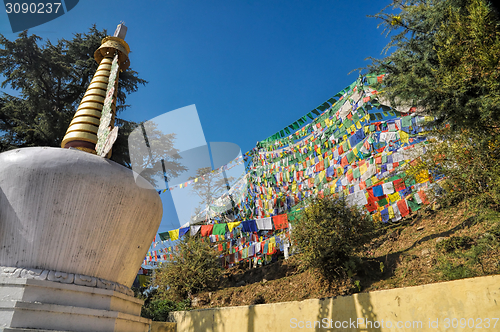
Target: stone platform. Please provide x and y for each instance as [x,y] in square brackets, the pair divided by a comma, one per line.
[34,305]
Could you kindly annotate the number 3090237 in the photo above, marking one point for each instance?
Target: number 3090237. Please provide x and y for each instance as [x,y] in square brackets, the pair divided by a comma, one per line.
[33,8]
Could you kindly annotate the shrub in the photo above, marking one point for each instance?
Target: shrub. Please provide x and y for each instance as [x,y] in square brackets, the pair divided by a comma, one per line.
[328,232]
[193,268]
[455,242]
[158,309]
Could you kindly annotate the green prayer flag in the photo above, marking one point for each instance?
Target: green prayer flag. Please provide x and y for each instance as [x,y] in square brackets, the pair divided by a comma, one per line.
[355,117]
[164,236]
[382,202]
[219,229]
[410,182]
[356,173]
[350,157]
[414,206]
[406,121]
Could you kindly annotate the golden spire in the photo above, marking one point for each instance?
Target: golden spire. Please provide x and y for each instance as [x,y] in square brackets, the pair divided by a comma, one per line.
[82,131]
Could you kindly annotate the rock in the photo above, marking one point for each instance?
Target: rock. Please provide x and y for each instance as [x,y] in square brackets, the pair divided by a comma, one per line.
[194,302]
[425,252]
[439,239]
[420,228]
[264,281]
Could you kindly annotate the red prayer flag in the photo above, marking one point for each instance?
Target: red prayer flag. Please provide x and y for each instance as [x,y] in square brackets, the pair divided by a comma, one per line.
[399,185]
[371,206]
[320,166]
[344,162]
[403,207]
[281,221]
[423,197]
[206,230]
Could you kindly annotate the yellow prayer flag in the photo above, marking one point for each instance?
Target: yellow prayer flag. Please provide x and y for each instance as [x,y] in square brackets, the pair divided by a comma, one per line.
[391,212]
[174,235]
[321,175]
[394,197]
[404,137]
[422,177]
[231,225]
[363,168]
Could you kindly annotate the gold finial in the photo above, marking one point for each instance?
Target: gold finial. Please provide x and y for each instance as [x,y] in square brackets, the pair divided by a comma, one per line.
[82,131]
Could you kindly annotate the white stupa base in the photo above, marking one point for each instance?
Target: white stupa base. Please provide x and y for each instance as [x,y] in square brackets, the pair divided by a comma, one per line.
[30,304]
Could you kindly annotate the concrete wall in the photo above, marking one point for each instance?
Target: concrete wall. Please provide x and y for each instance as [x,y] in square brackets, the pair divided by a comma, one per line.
[163,327]
[421,308]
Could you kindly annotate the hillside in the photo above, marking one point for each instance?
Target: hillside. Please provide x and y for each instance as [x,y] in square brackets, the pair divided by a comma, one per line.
[430,246]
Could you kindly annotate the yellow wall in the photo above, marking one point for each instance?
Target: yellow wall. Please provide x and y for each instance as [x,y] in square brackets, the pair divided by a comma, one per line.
[163,327]
[476,298]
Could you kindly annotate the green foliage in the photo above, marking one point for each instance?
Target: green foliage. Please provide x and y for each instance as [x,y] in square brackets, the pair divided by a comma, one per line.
[465,258]
[327,234]
[194,267]
[49,81]
[454,243]
[450,271]
[495,230]
[158,309]
[446,61]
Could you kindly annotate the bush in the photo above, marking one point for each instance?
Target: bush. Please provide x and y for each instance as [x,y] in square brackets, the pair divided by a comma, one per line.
[328,232]
[193,268]
[455,242]
[158,309]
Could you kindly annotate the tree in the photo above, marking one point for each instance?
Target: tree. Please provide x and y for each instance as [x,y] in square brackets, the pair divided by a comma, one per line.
[327,234]
[446,61]
[152,154]
[193,268]
[208,187]
[50,80]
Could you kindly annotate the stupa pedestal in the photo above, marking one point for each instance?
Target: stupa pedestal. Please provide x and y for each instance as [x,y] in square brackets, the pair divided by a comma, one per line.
[74,229]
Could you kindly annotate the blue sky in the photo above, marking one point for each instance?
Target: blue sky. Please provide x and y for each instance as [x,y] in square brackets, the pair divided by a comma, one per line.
[250,67]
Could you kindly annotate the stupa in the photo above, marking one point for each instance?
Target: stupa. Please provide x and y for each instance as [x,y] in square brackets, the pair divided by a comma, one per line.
[74,225]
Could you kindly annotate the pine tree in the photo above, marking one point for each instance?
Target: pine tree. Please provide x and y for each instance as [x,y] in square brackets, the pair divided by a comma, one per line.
[50,80]
[445,60]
